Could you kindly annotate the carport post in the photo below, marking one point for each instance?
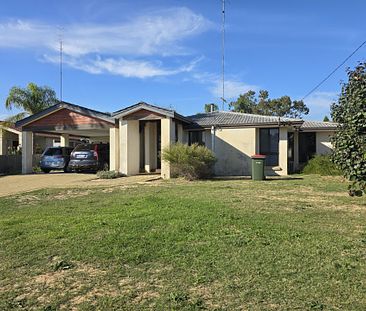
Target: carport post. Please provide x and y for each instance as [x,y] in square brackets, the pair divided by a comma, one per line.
[114,149]
[167,138]
[64,140]
[27,152]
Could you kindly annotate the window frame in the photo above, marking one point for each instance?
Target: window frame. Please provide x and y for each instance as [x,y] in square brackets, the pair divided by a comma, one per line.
[198,140]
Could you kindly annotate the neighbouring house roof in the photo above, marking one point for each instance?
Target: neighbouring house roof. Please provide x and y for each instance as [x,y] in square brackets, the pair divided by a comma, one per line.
[142,105]
[64,105]
[318,125]
[232,119]
[9,127]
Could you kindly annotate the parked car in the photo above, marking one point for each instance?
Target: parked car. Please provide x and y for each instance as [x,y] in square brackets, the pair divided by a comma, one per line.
[90,157]
[55,158]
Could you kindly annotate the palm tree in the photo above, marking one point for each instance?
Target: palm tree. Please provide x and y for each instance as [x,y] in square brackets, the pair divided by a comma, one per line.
[31,100]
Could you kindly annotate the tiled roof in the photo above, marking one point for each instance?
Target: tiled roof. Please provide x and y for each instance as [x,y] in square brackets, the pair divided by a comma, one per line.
[228,118]
[308,125]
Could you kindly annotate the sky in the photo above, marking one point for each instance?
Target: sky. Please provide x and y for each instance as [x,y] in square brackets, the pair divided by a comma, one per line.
[168,53]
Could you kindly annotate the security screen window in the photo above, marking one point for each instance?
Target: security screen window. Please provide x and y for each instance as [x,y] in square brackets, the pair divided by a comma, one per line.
[268,145]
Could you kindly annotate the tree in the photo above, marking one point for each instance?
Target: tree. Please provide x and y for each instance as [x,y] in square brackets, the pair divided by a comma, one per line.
[31,100]
[349,140]
[245,102]
[208,107]
[281,107]
[326,119]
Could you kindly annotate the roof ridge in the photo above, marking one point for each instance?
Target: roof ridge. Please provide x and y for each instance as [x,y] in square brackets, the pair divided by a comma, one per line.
[82,107]
[141,103]
[243,113]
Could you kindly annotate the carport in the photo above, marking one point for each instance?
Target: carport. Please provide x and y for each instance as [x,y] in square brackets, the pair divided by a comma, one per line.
[66,120]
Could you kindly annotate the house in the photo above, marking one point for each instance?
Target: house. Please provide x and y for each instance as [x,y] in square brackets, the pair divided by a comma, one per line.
[138,133]
[9,139]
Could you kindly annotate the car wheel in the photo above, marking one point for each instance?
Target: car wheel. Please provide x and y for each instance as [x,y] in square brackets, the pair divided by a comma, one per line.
[66,169]
[46,171]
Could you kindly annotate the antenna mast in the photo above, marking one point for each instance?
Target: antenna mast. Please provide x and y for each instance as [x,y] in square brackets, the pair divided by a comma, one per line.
[223,55]
[61,60]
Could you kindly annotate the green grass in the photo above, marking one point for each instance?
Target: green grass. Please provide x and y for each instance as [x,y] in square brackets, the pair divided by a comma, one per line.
[217,245]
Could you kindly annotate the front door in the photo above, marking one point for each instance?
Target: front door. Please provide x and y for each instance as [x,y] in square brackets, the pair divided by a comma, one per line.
[142,146]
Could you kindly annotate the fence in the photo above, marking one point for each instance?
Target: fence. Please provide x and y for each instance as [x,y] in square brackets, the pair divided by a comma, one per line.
[12,164]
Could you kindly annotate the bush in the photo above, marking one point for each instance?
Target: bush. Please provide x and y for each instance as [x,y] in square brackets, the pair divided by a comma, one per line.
[191,162]
[109,174]
[322,165]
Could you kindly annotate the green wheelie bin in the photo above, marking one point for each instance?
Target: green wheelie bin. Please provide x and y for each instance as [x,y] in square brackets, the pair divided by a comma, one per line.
[258,162]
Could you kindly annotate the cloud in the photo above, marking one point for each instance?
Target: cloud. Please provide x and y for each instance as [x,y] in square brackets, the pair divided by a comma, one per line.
[123,67]
[319,103]
[233,86]
[138,47]
[157,33]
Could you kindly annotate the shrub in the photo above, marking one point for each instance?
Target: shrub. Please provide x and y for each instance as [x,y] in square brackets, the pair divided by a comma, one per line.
[191,162]
[322,165]
[109,174]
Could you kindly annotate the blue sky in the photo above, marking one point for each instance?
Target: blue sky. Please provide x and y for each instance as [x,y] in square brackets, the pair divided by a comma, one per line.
[168,53]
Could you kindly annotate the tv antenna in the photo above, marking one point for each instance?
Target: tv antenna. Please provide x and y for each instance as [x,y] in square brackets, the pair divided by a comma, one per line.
[61,30]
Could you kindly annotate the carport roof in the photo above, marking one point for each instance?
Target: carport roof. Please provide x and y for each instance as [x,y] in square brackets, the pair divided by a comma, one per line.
[64,105]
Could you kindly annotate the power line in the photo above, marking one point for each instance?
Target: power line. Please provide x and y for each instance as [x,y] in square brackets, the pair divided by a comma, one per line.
[339,66]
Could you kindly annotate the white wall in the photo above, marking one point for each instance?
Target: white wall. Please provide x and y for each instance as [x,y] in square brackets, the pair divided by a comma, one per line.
[233,150]
[323,144]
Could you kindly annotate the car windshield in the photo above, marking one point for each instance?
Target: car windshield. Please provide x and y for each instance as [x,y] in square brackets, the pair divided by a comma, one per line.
[53,152]
[84,147]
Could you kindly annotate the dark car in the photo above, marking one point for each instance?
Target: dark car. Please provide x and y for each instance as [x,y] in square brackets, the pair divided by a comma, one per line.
[90,157]
[55,158]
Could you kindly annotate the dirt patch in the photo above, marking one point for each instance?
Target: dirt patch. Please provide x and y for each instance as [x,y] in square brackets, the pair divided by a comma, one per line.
[28,199]
[72,193]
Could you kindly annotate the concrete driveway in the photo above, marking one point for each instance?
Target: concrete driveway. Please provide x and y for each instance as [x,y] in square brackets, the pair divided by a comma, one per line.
[15,184]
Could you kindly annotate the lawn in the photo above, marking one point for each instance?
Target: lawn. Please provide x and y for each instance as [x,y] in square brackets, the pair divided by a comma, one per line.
[295,244]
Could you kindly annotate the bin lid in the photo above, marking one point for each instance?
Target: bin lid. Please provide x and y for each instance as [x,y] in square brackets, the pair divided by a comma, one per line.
[258,156]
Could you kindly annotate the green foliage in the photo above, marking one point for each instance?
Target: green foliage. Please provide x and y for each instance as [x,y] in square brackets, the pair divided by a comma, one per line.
[31,100]
[109,174]
[263,105]
[326,119]
[191,162]
[349,140]
[208,107]
[322,165]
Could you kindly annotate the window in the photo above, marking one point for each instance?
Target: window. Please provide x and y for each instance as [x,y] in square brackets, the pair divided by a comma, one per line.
[268,145]
[195,137]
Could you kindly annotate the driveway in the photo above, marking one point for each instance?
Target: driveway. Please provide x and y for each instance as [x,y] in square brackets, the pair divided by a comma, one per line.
[15,184]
